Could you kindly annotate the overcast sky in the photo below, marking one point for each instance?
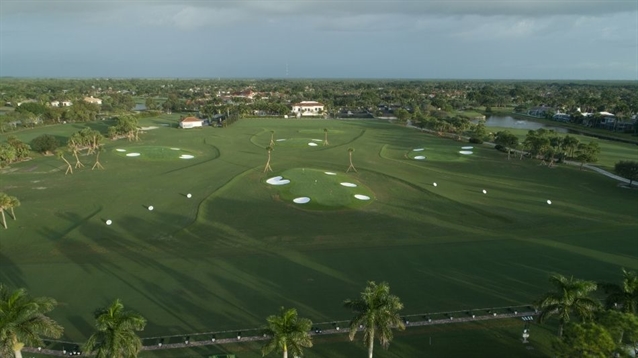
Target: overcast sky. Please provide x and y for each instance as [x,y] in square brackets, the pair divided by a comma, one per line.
[421,39]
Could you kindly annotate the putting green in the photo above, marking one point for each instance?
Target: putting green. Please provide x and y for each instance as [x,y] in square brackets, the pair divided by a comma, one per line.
[299,142]
[153,153]
[319,190]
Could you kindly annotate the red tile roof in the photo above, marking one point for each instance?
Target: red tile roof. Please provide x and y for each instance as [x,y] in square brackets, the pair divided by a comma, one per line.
[191,119]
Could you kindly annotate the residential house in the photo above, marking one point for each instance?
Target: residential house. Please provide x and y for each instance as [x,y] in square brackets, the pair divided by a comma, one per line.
[308,108]
[93,100]
[60,104]
[191,122]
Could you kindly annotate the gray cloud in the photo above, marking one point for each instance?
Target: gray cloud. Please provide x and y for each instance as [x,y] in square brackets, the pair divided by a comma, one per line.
[318,8]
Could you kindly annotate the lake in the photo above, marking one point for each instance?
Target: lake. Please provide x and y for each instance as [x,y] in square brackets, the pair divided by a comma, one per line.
[510,122]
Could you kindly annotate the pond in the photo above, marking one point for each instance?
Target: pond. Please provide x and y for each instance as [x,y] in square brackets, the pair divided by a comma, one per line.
[510,122]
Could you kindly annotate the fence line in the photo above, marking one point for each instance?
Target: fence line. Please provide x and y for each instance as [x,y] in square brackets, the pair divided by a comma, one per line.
[65,348]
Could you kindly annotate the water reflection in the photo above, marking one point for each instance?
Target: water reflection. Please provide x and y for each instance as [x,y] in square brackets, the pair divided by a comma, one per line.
[510,122]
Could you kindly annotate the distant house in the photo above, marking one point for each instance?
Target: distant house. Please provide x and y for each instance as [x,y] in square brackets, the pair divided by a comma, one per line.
[93,100]
[191,122]
[60,104]
[539,111]
[308,108]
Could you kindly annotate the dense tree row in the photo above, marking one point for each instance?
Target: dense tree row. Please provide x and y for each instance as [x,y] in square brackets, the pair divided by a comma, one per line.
[620,98]
[24,321]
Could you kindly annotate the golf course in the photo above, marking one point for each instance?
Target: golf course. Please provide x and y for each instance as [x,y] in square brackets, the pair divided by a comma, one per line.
[194,230]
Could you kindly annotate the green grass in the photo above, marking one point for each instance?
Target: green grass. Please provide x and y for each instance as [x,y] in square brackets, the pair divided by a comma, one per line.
[610,151]
[237,250]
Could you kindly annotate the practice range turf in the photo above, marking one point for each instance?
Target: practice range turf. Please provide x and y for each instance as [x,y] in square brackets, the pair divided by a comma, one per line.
[239,248]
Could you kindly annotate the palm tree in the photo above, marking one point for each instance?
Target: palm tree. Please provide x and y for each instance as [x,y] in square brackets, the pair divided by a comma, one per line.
[60,154]
[267,167]
[570,296]
[115,336]
[376,313]
[5,203]
[287,332]
[272,139]
[23,320]
[350,150]
[13,203]
[624,295]
[325,136]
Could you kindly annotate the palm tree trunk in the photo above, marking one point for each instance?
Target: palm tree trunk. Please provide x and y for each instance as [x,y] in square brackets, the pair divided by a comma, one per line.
[13,214]
[4,220]
[508,153]
[17,349]
[370,348]
[560,330]
[285,353]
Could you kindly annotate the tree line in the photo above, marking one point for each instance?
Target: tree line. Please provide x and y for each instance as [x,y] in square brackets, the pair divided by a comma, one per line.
[587,327]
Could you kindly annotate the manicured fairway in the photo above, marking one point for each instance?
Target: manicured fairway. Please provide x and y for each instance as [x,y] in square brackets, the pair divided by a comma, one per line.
[239,248]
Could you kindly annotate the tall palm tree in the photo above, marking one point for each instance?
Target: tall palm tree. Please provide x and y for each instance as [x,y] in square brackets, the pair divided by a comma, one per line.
[624,295]
[115,336]
[23,320]
[571,296]
[288,333]
[376,313]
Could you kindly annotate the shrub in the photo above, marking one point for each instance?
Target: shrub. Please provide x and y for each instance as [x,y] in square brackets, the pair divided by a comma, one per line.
[500,148]
[476,140]
[45,144]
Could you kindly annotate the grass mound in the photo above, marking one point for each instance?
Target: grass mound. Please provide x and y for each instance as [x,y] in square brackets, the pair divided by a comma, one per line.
[326,190]
[153,153]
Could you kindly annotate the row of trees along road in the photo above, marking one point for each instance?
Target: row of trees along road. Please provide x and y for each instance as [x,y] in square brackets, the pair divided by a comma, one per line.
[24,321]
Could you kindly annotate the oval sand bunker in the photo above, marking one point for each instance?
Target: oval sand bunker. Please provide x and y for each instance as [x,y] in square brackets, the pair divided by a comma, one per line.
[133,154]
[186,156]
[467,147]
[349,185]
[301,200]
[419,157]
[330,173]
[418,149]
[121,150]
[312,144]
[465,152]
[362,197]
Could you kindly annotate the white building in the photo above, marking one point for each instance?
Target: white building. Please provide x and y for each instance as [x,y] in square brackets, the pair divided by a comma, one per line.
[308,108]
[191,122]
[93,100]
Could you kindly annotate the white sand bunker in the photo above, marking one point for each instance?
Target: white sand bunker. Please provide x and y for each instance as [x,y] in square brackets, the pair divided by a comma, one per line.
[186,156]
[466,152]
[419,157]
[312,144]
[317,140]
[330,173]
[280,140]
[349,185]
[175,149]
[301,200]
[362,197]
[121,150]
[418,149]
[467,147]
[133,154]
[278,180]
[149,128]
